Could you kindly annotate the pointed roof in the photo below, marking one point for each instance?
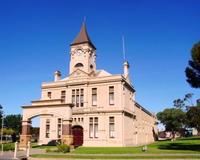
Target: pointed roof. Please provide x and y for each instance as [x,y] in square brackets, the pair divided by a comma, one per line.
[82,37]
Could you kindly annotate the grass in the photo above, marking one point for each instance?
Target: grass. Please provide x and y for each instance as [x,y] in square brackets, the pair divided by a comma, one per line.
[35,145]
[183,148]
[183,145]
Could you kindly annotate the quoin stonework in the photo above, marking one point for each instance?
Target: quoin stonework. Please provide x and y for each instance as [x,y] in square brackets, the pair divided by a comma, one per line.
[89,107]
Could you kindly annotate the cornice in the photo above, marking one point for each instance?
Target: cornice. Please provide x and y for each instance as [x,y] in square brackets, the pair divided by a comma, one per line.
[49,105]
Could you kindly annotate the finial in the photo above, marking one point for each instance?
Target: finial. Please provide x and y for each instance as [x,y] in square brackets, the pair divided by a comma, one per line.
[84,19]
[123,45]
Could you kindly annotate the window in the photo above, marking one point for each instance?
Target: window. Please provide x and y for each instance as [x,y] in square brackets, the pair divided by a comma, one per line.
[73,96]
[78,97]
[93,127]
[59,130]
[63,93]
[78,65]
[111,95]
[49,95]
[47,128]
[111,127]
[81,98]
[94,96]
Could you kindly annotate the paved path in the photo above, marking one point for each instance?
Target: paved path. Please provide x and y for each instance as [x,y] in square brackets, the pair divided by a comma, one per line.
[20,154]
[104,159]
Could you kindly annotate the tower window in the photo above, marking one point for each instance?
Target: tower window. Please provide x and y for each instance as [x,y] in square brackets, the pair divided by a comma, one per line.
[91,67]
[78,65]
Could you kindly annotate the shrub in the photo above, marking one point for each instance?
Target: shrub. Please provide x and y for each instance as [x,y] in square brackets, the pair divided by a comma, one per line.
[63,148]
[48,150]
[51,150]
[8,146]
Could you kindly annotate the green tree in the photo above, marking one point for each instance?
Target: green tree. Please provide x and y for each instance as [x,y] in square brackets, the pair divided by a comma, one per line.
[185,102]
[8,131]
[193,70]
[193,118]
[1,111]
[173,119]
[35,133]
[14,122]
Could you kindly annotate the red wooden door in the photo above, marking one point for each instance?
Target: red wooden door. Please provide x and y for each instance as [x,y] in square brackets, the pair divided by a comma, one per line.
[77,132]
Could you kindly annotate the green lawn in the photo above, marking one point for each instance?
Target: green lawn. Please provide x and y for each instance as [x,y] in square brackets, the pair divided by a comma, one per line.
[158,150]
[183,145]
[35,145]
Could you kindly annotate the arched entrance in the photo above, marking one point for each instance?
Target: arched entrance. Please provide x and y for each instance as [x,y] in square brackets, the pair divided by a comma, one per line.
[77,132]
[49,112]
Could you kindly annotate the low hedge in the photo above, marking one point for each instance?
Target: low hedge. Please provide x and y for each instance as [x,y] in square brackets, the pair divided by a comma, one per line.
[8,146]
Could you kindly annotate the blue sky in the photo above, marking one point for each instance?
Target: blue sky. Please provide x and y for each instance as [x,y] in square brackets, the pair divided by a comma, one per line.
[35,37]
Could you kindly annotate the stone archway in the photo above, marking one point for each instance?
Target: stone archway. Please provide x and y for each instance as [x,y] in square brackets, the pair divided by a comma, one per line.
[77,132]
[42,109]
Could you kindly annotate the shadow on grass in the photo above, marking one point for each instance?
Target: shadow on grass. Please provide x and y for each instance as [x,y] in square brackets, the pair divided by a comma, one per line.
[180,146]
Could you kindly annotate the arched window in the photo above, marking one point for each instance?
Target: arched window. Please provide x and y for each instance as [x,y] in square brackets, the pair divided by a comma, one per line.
[78,65]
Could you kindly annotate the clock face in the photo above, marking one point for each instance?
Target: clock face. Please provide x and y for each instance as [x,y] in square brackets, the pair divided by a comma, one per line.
[79,52]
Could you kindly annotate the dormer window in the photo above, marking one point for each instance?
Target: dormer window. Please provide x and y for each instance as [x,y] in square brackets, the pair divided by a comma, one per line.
[78,65]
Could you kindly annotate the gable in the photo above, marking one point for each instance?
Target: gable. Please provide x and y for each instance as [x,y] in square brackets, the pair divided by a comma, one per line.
[78,73]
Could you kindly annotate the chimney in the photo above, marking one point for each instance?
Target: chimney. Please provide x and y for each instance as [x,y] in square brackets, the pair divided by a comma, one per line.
[126,69]
[57,76]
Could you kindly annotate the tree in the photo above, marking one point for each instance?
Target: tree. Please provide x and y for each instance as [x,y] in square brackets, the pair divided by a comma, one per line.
[184,103]
[193,70]
[173,119]
[35,133]
[14,122]
[193,117]
[1,111]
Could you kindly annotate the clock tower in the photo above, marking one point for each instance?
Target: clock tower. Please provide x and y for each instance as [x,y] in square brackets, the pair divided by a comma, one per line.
[83,53]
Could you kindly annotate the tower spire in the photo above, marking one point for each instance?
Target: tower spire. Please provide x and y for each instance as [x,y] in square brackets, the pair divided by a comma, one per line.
[83,37]
[84,19]
[126,64]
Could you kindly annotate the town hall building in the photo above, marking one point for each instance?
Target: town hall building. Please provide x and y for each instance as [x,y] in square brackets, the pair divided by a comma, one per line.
[89,107]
